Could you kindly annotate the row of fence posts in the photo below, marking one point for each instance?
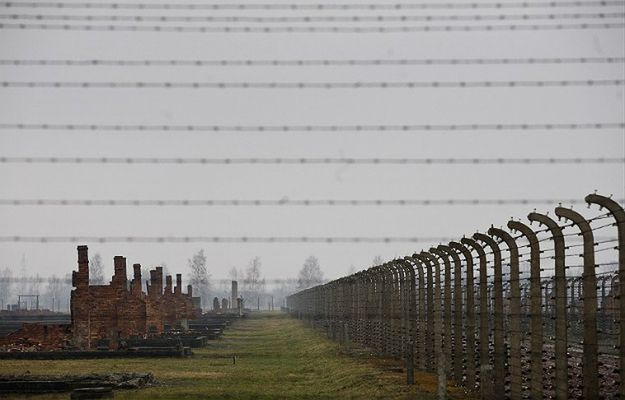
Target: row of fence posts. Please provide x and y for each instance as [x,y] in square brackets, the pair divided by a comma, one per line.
[488,335]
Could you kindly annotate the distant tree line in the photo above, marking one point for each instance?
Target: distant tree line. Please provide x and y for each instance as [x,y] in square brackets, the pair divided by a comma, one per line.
[54,291]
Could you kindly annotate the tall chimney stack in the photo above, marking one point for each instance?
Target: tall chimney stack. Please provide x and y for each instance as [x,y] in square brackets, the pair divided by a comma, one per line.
[159,280]
[178,288]
[168,284]
[235,292]
[136,281]
[80,279]
[119,278]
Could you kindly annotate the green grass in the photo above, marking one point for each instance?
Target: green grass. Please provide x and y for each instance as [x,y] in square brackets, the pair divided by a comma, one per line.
[276,357]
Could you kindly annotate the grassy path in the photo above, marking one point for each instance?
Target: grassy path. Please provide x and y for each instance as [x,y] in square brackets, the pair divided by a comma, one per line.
[276,357]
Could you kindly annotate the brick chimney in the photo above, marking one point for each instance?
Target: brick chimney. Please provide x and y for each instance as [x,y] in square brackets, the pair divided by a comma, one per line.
[80,279]
[159,280]
[168,284]
[120,279]
[136,281]
[153,283]
[234,293]
[178,288]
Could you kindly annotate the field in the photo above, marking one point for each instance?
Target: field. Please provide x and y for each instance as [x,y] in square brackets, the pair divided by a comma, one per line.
[266,356]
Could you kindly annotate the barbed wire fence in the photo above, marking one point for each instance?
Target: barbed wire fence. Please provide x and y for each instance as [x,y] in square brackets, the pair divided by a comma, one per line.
[511,313]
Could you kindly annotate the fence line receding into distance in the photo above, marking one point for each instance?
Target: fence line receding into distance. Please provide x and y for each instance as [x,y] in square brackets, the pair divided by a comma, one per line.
[511,313]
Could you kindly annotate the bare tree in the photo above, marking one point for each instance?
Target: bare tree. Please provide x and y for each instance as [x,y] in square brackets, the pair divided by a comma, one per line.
[96,270]
[351,270]
[310,275]
[54,292]
[6,286]
[200,278]
[377,260]
[254,286]
[23,280]
[65,293]
[35,284]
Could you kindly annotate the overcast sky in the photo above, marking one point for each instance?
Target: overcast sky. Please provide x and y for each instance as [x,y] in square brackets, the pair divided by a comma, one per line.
[296,107]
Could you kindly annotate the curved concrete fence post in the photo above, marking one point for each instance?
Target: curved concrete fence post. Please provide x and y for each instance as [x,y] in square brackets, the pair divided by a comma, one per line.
[399,314]
[516,373]
[431,356]
[441,370]
[446,314]
[387,309]
[561,340]
[421,315]
[536,322]
[618,214]
[457,313]
[486,369]
[361,307]
[411,299]
[590,367]
[375,338]
[409,284]
[500,359]
[365,306]
[371,309]
[470,315]
[393,338]
[359,286]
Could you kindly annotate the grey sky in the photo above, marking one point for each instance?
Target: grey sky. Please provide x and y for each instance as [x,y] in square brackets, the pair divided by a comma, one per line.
[284,107]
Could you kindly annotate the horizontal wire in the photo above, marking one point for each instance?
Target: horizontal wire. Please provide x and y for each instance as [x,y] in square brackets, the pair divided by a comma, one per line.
[218,239]
[306,160]
[281,202]
[300,6]
[604,226]
[311,29]
[317,63]
[312,85]
[309,19]
[32,279]
[316,128]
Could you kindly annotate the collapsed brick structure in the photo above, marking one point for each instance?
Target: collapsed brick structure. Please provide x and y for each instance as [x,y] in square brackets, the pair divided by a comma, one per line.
[37,337]
[121,309]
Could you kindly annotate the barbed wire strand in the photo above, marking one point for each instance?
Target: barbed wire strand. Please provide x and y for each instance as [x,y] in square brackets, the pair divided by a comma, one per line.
[316,128]
[283,202]
[311,29]
[218,239]
[306,160]
[315,62]
[301,6]
[222,239]
[40,279]
[312,85]
[310,19]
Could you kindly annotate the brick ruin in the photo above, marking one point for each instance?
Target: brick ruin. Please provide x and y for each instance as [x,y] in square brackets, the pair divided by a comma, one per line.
[121,309]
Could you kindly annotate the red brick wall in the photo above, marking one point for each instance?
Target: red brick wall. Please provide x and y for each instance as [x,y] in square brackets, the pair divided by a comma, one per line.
[121,310]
